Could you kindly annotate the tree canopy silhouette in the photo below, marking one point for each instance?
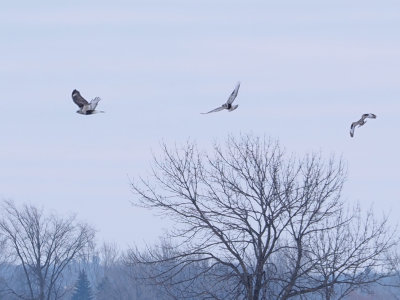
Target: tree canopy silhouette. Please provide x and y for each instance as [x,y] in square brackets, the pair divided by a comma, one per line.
[255,223]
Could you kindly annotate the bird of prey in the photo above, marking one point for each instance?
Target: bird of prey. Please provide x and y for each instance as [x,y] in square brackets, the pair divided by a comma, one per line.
[85,108]
[360,122]
[228,105]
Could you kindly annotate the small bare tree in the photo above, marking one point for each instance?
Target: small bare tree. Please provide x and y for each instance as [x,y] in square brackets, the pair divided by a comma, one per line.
[43,246]
[254,224]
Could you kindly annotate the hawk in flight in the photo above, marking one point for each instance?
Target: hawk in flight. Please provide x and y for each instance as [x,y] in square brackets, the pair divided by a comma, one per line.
[85,108]
[360,122]
[228,105]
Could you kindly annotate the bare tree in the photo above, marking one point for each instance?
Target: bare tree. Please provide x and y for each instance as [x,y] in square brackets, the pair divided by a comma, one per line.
[349,252]
[253,223]
[117,282]
[43,246]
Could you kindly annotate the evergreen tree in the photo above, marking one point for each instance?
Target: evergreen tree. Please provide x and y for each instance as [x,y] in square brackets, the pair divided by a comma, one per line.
[83,290]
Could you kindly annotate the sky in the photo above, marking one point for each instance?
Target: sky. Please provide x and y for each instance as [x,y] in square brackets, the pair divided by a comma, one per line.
[307,70]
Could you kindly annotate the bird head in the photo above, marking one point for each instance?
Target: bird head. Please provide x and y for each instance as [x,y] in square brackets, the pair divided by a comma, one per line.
[75,92]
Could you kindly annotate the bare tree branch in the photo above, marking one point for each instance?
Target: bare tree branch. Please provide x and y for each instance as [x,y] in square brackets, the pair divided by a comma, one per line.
[44,246]
[265,225]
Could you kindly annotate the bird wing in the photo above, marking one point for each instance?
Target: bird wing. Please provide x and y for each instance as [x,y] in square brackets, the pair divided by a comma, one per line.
[371,116]
[215,110]
[78,99]
[353,126]
[233,95]
[94,102]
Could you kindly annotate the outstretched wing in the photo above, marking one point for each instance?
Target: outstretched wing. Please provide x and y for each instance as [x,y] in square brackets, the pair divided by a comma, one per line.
[215,110]
[93,103]
[371,116]
[233,95]
[78,99]
[353,126]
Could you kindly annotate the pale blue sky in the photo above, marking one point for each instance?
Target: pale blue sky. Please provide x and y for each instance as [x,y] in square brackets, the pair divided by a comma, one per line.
[307,68]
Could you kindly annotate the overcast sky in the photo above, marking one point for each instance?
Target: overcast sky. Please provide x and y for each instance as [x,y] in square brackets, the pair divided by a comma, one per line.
[307,68]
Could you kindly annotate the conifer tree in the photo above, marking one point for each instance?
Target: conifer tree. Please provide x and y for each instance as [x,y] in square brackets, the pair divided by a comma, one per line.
[83,290]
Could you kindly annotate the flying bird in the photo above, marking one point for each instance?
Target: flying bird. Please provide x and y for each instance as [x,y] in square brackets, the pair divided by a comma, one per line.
[360,122]
[85,108]
[228,105]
